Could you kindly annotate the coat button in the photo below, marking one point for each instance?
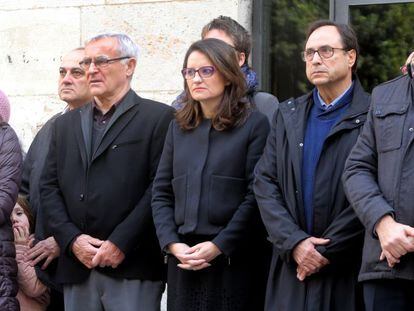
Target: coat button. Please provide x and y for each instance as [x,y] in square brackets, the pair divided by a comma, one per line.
[301,145]
[81,197]
[114,146]
[357,121]
[411,129]
[293,109]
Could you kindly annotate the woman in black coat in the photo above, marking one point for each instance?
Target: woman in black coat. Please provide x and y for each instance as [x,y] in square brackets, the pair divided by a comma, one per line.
[204,209]
[10,174]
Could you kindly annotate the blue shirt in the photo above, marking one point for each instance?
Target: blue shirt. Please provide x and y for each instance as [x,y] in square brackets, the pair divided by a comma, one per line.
[319,123]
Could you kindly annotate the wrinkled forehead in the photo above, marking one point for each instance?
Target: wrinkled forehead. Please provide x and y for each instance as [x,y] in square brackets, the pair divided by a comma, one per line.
[325,35]
[102,47]
[72,59]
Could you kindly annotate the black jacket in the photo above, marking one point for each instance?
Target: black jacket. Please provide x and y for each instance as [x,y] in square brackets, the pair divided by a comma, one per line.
[30,187]
[379,173]
[203,183]
[106,192]
[10,174]
[278,192]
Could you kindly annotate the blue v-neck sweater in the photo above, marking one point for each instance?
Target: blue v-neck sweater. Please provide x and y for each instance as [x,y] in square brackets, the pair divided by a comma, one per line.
[320,122]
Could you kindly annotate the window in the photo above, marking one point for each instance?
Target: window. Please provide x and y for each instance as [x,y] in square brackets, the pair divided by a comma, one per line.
[384,30]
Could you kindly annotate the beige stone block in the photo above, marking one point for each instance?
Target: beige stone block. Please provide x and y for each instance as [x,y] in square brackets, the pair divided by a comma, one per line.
[30,113]
[141,1]
[41,4]
[31,45]
[166,97]
[163,30]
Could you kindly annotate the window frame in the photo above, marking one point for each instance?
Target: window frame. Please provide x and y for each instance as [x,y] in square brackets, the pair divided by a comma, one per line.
[338,11]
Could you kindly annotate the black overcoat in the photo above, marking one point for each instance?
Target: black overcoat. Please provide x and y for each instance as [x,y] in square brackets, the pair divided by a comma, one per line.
[278,192]
[106,192]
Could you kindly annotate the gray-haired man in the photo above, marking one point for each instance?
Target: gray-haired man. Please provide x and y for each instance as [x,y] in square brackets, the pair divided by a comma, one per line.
[96,187]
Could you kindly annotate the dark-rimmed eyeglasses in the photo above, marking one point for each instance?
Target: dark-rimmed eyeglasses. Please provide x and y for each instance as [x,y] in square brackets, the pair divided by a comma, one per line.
[203,72]
[99,62]
[324,52]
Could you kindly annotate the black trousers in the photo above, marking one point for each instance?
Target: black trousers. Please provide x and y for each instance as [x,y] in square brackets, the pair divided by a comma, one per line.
[389,295]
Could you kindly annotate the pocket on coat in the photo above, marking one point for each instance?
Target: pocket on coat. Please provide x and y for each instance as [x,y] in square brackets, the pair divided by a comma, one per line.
[179,185]
[225,196]
[389,126]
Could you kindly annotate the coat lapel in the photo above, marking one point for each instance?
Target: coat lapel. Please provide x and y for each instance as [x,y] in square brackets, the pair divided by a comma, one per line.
[118,122]
[355,115]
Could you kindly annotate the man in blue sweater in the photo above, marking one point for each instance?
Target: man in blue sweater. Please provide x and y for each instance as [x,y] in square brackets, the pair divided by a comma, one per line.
[317,238]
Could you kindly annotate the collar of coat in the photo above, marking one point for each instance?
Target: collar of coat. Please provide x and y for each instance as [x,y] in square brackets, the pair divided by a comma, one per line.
[393,97]
[295,111]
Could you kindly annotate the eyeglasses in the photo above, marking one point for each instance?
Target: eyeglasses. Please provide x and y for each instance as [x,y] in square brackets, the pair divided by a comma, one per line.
[203,72]
[99,62]
[324,52]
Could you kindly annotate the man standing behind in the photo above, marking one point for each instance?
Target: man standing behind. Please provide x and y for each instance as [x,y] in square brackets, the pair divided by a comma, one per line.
[72,89]
[96,186]
[317,238]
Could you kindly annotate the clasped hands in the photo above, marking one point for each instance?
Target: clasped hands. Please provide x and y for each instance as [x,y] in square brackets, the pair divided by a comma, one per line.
[93,252]
[308,259]
[396,239]
[194,258]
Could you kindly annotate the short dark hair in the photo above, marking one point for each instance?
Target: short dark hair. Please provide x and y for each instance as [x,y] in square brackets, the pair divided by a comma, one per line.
[234,106]
[239,35]
[348,36]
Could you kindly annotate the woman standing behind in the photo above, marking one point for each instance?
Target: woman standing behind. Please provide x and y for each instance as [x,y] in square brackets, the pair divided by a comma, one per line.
[10,174]
[204,209]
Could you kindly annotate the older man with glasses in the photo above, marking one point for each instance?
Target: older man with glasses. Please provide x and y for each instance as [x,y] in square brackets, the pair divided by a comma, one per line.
[317,238]
[96,186]
[72,89]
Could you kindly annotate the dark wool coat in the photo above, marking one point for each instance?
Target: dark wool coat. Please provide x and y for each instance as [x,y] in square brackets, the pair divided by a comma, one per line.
[379,174]
[106,192]
[10,174]
[32,169]
[278,192]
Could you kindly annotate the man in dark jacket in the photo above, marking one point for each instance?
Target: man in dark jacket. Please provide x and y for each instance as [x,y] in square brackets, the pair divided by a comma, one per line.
[317,238]
[378,180]
[96,186]
[10,174]
[74,90]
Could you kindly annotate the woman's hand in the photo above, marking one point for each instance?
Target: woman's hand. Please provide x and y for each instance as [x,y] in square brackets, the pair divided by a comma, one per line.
[199,256]
[179,250]
[21,235]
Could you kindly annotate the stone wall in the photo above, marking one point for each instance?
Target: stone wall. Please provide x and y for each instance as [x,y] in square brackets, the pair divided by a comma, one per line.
[34,34]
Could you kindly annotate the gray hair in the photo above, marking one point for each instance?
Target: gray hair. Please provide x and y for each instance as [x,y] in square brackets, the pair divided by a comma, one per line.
[126,47]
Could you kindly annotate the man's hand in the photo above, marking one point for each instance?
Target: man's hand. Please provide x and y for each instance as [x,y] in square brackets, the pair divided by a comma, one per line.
[199,256]
[396,239]
[46,249]
[108,255]
[309,260]
[85,248]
